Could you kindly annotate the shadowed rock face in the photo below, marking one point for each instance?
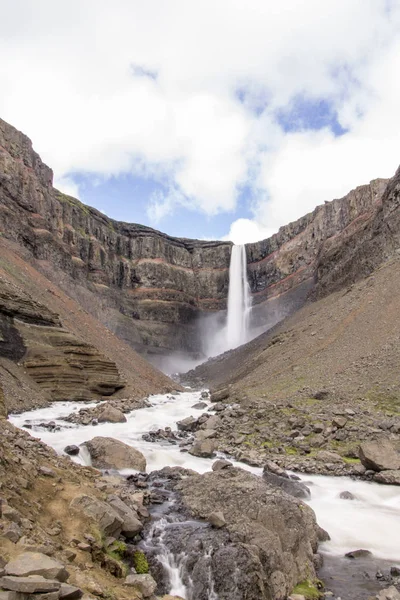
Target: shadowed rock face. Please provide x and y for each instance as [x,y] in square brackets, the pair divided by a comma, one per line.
[151,289]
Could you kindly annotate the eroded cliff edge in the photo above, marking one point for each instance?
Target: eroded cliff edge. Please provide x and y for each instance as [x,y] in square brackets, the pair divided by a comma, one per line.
[152,289]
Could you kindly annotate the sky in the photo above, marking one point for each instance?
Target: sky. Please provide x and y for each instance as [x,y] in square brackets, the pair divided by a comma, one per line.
[215,119]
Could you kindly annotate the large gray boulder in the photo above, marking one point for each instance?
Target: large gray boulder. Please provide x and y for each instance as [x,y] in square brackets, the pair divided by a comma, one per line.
[107,453]
[36,563]
[379,456]
[102,514]
[268,537]
[143,582]
[204,448]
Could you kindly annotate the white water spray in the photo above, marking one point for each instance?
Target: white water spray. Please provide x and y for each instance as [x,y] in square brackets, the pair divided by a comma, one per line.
[239,299]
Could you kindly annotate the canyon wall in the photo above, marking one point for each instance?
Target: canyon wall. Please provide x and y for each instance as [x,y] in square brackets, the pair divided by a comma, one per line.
[152,289]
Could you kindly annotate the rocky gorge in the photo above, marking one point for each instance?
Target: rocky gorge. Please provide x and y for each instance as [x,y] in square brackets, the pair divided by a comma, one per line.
[118,482]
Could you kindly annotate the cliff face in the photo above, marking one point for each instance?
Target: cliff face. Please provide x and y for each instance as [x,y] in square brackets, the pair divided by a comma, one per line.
[150,288]
[157,284]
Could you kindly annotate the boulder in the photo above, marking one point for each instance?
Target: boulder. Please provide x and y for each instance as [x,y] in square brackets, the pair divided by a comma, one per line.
[200,405]
[269,536]
[346,496]
[109,414]
[131,525]
[204,448]
[361,553]
[326,456]
[388,477]
[220,395]
[205,434]
[188,424]
[144,583]
[104,515]
[72,450]
[70,592]
[12,532]
[339,422]
[221,463]
[36,563]
[29,585]
[379,456]
[107,453]
[390,593]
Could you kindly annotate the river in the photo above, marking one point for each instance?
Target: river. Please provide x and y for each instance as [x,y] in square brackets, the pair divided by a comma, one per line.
[370,521]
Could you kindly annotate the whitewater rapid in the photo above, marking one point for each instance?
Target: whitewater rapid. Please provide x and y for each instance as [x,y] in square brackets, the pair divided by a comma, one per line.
[370,521]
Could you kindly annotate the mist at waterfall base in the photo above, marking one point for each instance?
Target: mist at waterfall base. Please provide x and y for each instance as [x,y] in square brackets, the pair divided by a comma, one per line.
[225,330]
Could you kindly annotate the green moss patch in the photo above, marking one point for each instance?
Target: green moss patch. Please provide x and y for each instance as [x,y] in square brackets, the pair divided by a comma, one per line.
[310,590]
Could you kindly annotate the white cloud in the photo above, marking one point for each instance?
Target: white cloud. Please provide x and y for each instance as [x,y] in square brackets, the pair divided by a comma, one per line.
[151,88]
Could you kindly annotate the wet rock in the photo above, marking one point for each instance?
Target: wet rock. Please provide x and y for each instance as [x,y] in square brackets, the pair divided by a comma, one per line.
[390,593]
[294,488]
[144,583]
[203,449]
[220,395]
[36,563]
[29,585]
[361,553]
[111,415]
[108,453]
[131,525]
[395,571]
[72,450]
[379,456]
[200,405]
[269,536]
[105,517]
[323,535]
[216,519]
[188,424]
[388,477]
[346,496]
[221,463]
[205,394]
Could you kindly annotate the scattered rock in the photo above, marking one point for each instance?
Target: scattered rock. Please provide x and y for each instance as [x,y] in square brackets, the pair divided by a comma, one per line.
[219,395]
[328,457]
[216,519]
[105,517]
[221,463]
[12,532]
[47,472]
[70,592]
[188,424]
[358,554]
[390,593]
[131,525]
[203,449]
[107,453]
[200,405]
[339,422]
[111,415]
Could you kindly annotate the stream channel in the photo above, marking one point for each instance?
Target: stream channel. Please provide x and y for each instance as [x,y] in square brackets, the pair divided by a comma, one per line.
[370,521]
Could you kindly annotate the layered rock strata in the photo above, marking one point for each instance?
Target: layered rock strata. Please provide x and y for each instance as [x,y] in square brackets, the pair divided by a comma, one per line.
[152,289]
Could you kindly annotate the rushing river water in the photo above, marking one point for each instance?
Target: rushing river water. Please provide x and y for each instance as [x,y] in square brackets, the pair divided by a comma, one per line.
[370,521]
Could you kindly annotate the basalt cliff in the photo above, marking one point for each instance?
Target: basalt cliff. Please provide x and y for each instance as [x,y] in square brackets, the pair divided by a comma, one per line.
[153,290]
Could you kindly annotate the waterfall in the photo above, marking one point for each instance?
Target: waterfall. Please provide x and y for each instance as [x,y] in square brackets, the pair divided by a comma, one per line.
[239,299]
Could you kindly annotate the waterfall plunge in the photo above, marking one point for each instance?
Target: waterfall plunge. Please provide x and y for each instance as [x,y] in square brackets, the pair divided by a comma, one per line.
[239,299]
